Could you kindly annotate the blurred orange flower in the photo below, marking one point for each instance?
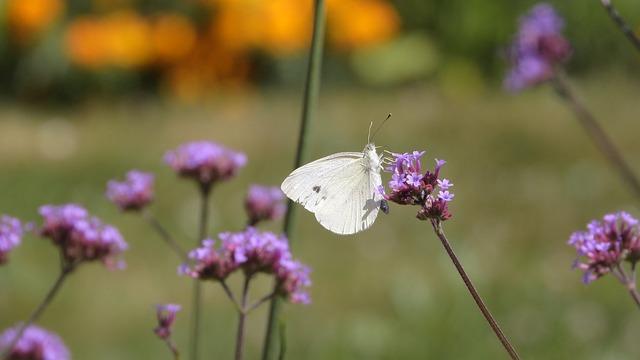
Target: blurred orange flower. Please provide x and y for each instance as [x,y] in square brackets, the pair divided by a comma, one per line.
[359,23]
[280,27]
[172,37]
[118,39]
[28,18]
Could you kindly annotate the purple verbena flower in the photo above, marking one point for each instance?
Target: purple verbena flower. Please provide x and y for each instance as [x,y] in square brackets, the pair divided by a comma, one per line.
[264,203]
[134,193]
[34,344]
[81,237]
[252,252]
[538,48]
[606,244]
[410,186]
[11,231]
[206,162]
[166,314]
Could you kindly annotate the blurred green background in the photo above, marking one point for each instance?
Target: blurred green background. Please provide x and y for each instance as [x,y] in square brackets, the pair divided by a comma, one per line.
[525,177]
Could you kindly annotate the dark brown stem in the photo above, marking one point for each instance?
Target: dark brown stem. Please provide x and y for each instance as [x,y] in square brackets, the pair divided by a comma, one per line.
[164,234]
[597,134]
[437,227]
[205,191]
[241,319]
[621,23]
[65,270]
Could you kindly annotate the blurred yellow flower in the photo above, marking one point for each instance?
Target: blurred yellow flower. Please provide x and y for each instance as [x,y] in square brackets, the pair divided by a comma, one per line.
[118,39]
[279,27]
[355,24]
[173,37]
[29,17]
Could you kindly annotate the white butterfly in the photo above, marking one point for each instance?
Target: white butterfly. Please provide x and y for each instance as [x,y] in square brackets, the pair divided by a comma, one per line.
[342,189]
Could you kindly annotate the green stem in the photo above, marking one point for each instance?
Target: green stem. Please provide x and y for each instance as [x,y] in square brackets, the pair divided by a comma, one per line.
[312,88]
[164,234]
[621,23]
[242,315]
[65,270]
[597,134]
[196,310]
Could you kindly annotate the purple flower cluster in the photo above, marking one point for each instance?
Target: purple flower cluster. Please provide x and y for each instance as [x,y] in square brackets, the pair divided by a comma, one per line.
[80,236]
[606,244]
[11,232]
[205,161]
[134,193]
[252,252]
[34,344]
[538,48]
[410,186]
[264,203]
[166,317]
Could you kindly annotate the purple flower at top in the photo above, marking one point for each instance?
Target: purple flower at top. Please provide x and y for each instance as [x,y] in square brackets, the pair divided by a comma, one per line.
[252,252]
[34,344]
[410,186]
[166,314]
[205,161]
[11,231]
[606,244]
[538,48]
[264,203]
[134,193]
[81,237]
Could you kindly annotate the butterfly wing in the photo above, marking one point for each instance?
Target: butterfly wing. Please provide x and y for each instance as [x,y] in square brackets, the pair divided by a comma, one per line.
[341,190]
[307,184]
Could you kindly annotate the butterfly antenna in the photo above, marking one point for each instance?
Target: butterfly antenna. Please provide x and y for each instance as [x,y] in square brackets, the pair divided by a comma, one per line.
[369,134]
[378,128]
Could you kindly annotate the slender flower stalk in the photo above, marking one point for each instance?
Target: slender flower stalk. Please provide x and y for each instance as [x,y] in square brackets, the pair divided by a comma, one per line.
[164,234]
[242,314]
[166,315]
[205,192]
[312,88]
[437,228]
[65,270]
[621,23]
[596,133]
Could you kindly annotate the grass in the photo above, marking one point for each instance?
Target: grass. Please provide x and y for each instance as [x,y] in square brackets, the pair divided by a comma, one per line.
[525,177]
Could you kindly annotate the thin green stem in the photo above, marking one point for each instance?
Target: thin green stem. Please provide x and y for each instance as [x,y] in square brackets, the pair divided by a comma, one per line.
[628,281]
[437,227]
[312,88]
[164,234]
[65,270]
[621,23]
[597,134]
[242,315]
[205,192]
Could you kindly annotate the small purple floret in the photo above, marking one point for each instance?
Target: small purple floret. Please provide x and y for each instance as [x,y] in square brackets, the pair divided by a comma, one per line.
[166,314]
[252,252]
[11,231]
[206,162]
[606,244]
[538,48]
[34,344]
[410,186]
[264,203]
[82,237]
[134,193]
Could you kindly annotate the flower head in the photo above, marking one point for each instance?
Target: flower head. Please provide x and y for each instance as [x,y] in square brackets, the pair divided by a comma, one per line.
[252,252]
[34,344]
[537,49]
[410,186]
[11,231]
[205,161]
[264,203]
[134,193]
[80,236]
[606,244]
[166,317]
